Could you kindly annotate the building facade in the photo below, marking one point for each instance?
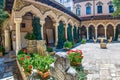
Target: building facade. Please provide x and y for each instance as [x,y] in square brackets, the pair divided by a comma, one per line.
[49,14]
[69,4]
[97,20]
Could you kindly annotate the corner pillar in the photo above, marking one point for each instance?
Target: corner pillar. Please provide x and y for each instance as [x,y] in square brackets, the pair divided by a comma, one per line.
[96,35]
[7,41]
[42,25]
[18,39]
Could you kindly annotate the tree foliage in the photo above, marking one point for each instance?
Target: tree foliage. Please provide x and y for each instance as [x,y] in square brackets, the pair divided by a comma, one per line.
[61,35]
[37,28]
[69,33]
[117,7]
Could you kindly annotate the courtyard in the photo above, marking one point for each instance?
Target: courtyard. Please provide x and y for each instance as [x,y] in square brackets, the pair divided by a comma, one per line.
[102,64]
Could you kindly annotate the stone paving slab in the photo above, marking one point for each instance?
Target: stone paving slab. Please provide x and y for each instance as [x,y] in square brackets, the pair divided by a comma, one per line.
[102,64]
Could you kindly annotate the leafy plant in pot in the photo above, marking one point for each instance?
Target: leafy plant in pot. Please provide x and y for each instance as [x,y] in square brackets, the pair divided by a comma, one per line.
[50,50]
[68,45]
[75,57]
[44,66]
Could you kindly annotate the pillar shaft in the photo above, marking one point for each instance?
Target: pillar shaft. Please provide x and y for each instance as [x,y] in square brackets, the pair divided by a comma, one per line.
[18,39]
[7,41]
[66,26]
[114,32]
[56,33]
[105,33]
[96,33]
[42,25]
[87,34]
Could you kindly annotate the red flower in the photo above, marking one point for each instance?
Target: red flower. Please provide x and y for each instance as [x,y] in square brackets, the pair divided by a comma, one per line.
[22,59]
[30,66]
[25,51]
[28,57]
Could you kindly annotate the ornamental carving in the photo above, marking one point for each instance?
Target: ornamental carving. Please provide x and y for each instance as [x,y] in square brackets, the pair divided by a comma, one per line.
[19,4]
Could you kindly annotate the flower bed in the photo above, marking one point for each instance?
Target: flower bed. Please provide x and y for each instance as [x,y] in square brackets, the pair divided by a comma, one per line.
[34,61]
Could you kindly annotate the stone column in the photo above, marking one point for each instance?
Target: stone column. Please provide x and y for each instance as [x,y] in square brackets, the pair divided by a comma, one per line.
[72,32]
[56,32]
[87,33]
[114,32]
[66,26]
[42,25]
[96,35]
[105,32]
[7,40]
[18,39]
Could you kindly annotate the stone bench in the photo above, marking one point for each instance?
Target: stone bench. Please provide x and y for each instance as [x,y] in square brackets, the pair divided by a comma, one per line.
[103,45]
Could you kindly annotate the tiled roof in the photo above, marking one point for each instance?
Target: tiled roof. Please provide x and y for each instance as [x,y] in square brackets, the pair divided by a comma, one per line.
[59,7]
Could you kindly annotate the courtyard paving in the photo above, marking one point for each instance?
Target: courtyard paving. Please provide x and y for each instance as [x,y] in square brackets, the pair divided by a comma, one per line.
[102,64]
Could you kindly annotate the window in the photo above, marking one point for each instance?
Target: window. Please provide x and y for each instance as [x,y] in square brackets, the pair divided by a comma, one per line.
[68,0]
[88,10]
[111,9]
[23,25]
[69,8]
[78,11]
[99,9]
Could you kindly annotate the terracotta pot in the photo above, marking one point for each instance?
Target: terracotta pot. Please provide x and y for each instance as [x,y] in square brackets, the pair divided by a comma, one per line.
[40,73]
[75,64]
[46,75]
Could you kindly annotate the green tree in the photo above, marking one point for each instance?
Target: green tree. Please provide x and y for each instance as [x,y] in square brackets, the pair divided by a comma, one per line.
[37,28]
[69,33]
[117,7]
[61,35]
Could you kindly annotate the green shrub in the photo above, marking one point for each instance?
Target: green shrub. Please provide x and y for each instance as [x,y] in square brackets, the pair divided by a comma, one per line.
[83,41]
[68,45]
[30,36]
[49,49]
[2,49]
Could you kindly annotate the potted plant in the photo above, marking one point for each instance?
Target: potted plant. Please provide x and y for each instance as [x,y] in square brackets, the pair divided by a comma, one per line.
[44,66]
[83,41]
[68,45]
[75,57]
[50,50]
[1,51]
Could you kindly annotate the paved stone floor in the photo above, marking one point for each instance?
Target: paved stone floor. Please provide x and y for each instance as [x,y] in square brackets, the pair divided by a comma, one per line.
[102,64]
[8,67]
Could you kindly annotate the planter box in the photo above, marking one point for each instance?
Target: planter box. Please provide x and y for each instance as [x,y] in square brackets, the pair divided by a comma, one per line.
[1,54]
[103,45]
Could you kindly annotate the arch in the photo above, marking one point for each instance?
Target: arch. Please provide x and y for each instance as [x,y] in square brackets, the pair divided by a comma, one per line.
[51,14]
[100,30]
[83,32]
[110,31]
[91,30]
[63,19]
[31,9]
[101,24]
[110,24]
[91,24]
[70,22]
[117,23]
[117,33]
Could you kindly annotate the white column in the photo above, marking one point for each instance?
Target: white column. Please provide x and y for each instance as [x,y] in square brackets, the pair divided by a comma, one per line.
[96,35]
[7,41]
[87,33]
[66,26]
[105,32]
[114,32]
[18,39]
[56,33]
[42,25]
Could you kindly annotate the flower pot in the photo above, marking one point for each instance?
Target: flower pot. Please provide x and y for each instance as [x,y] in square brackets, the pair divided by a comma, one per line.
[52,53]
[75,64]
[1,54]
[45,75]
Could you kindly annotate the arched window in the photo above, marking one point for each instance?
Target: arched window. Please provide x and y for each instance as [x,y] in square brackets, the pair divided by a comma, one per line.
[111,8]
[88,8]
[99,7]
[78,11]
